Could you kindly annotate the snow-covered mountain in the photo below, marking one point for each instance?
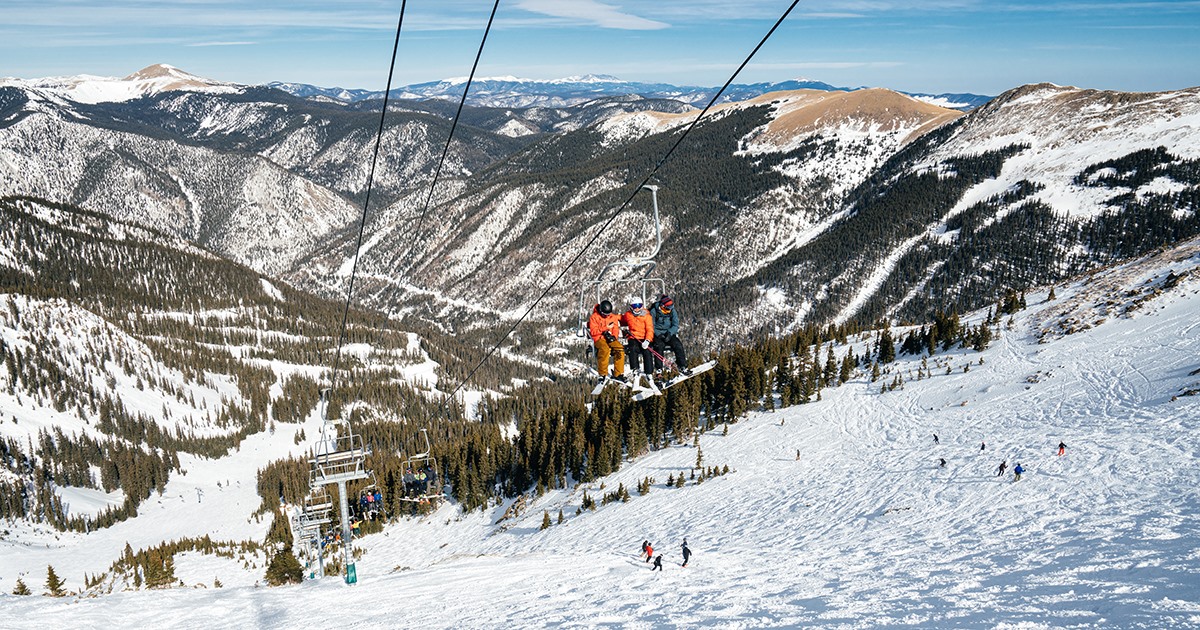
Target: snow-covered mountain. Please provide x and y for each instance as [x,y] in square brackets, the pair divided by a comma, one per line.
[798,206]
[517,92]
[835,513]
[150,80]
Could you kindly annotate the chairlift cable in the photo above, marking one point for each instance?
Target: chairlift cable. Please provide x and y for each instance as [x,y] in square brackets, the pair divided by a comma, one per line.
[621,209]
[433,185]
[362,224]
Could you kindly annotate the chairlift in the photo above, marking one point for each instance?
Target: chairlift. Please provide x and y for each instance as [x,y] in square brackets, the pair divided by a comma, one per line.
[371,499]
[632,276]
[422,483]
[340,455]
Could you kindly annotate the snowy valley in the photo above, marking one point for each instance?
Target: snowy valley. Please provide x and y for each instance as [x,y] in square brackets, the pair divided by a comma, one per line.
[834,513]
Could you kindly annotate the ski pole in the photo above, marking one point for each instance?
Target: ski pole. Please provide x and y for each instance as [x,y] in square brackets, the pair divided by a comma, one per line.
[663,359]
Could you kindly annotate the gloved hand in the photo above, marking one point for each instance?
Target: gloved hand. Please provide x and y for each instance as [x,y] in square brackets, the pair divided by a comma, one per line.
[645,344]
[609,336]
[665,337]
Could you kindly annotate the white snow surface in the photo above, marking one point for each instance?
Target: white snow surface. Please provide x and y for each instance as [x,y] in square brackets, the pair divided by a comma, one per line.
[834,514]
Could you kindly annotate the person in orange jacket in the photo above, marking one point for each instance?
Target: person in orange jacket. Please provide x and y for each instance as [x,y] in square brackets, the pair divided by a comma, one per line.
[640,323]
[604,326]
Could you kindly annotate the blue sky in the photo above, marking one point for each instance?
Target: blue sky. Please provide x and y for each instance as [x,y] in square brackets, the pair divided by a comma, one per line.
[975,46]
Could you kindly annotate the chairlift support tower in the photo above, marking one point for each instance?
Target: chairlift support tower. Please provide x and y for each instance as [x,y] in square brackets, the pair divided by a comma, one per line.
[340,458]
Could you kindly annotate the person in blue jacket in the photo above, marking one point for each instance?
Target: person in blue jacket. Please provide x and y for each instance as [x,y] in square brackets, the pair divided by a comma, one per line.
[666,334]
[1017,470]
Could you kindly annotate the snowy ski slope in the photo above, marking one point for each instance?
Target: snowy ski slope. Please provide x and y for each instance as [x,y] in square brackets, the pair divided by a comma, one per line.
[864,530]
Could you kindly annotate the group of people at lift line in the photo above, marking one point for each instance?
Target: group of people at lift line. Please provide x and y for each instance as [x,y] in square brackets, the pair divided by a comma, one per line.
[648,554]
[648,332]
[1018,470]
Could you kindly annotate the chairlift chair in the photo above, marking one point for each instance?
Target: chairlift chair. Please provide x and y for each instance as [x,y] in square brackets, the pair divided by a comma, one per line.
[632,276]
[417,491]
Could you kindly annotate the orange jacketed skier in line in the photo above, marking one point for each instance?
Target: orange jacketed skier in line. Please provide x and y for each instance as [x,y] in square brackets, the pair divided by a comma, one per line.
[604,326]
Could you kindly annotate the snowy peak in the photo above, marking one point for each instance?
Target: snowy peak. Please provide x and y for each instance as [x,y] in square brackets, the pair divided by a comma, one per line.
[801,113]
[148,81]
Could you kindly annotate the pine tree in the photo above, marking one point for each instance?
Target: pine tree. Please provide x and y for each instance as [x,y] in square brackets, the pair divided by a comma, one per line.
[560,516]
[284,568]
[54,584]
[21,589]
[546,519]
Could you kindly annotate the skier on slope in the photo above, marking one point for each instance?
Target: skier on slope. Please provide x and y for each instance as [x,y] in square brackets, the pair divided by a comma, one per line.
[982,446]
[943,462]
[640,323]
[935,439]
[1003,467]
[1017,472]
[649,552]
[666,331]
[605,329]
[1062,448]
[657,563]
[646,550]
[687,552]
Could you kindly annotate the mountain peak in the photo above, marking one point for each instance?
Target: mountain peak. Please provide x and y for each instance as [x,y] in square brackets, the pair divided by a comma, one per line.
[158,71]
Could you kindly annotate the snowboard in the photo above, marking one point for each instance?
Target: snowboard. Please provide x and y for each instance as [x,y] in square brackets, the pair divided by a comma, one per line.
[699,369]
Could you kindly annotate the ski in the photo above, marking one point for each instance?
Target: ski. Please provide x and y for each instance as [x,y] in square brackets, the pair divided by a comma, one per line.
[699,369]
[608,379]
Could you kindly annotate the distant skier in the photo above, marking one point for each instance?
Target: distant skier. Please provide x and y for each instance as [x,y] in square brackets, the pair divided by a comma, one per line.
[982,446]
[649,552]
[646,550]
[687,552]
[657,563]
[1017,470]
[942,462]
[935,439]
[797,454]
[1062,448]
[1003,467]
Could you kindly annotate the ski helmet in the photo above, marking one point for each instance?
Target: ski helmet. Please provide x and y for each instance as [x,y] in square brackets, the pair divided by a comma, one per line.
[605,307]
[665,300]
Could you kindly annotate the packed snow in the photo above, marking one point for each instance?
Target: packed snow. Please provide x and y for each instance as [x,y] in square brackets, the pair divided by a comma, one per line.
[834,514]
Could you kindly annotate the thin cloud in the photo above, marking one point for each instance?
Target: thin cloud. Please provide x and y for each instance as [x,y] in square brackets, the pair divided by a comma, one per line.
[598,13]
[202,44]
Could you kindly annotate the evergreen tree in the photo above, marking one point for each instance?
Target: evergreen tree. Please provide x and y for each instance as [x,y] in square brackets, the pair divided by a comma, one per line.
[284,569]
[54,584]
[21,589]
[546,519]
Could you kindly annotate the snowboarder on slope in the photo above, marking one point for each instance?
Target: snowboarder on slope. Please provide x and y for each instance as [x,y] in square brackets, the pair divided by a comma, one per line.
[1062,448]
[657,563]
[605,329]
[666,331]
[687,552]
[1017,472]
